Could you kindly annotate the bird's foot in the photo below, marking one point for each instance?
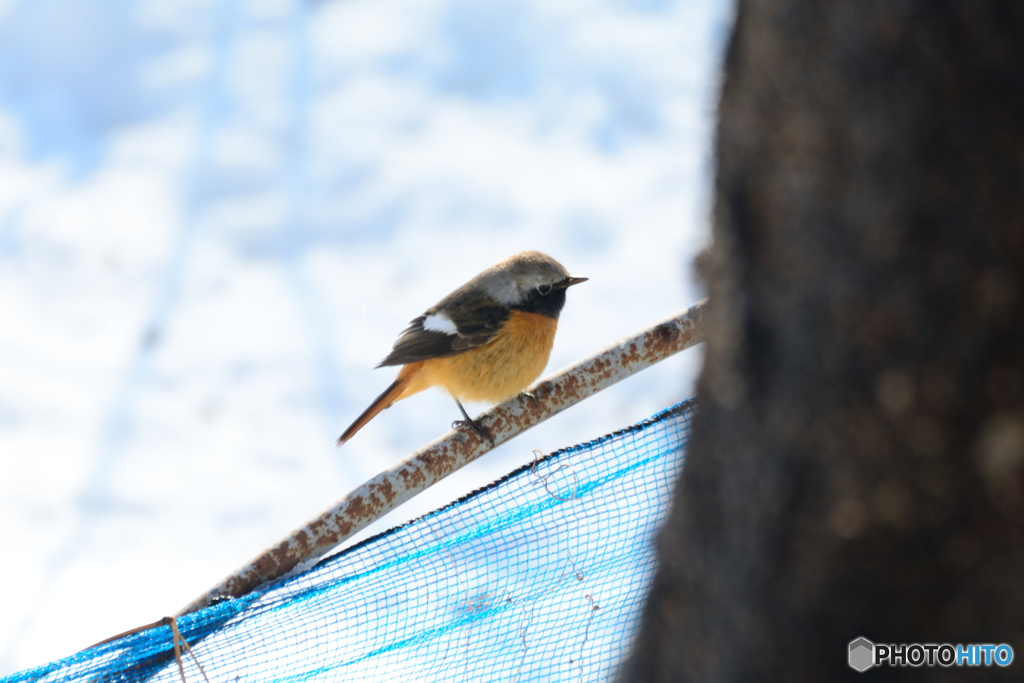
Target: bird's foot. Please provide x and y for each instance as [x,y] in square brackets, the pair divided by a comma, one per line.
[533,398]
[482,431]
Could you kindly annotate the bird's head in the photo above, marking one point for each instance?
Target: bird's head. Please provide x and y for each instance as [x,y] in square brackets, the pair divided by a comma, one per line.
[529,281]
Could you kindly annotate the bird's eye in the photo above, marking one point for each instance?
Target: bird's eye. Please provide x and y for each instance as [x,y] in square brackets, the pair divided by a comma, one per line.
[544,289]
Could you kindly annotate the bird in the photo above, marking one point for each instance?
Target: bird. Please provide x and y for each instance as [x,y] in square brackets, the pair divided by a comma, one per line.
[484,342]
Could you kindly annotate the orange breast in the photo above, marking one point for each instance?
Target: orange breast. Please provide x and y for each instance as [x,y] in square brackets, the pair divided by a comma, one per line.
[497,370]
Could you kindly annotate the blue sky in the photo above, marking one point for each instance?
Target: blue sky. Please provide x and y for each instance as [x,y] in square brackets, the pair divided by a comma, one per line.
[216,216]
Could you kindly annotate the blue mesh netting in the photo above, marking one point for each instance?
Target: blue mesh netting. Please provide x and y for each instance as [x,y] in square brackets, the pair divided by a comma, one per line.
[538,577]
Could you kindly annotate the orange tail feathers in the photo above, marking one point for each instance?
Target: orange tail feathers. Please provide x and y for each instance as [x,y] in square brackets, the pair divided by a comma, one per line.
[390,395]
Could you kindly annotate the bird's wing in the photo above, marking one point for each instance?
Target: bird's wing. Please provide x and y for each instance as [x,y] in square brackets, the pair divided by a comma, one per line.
[458,323]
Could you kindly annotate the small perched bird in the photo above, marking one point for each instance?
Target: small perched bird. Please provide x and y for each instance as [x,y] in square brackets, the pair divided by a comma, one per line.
[486,341]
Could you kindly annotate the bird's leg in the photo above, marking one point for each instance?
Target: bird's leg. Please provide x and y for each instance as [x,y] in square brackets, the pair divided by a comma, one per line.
[477,427]
[532,397]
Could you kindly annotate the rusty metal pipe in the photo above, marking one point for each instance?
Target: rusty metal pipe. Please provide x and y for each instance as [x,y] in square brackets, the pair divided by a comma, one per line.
[457,448]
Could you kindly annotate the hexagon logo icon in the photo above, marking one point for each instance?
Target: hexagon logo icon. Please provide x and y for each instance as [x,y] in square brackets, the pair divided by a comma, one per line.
[862,654]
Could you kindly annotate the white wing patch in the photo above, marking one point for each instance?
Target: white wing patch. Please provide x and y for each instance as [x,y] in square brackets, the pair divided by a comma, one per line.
[439,322]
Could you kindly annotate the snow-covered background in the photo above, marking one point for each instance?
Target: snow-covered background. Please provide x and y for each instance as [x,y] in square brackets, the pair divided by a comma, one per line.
[216,216]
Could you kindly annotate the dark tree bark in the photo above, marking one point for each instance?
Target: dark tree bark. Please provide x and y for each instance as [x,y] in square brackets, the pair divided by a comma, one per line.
[857,464]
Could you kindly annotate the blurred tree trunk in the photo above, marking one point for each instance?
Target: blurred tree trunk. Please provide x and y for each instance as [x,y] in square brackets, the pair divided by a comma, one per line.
[857,464]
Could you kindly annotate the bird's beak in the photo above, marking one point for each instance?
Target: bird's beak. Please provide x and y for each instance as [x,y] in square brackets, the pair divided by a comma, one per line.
[570,281]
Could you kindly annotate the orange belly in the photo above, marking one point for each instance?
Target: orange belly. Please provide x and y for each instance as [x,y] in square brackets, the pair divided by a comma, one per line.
[497,370]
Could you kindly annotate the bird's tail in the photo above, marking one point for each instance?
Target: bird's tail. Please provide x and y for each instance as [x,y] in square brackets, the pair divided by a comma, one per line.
[390,395]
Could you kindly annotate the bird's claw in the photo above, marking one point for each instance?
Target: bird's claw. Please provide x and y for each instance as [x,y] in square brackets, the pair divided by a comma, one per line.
[482,431]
